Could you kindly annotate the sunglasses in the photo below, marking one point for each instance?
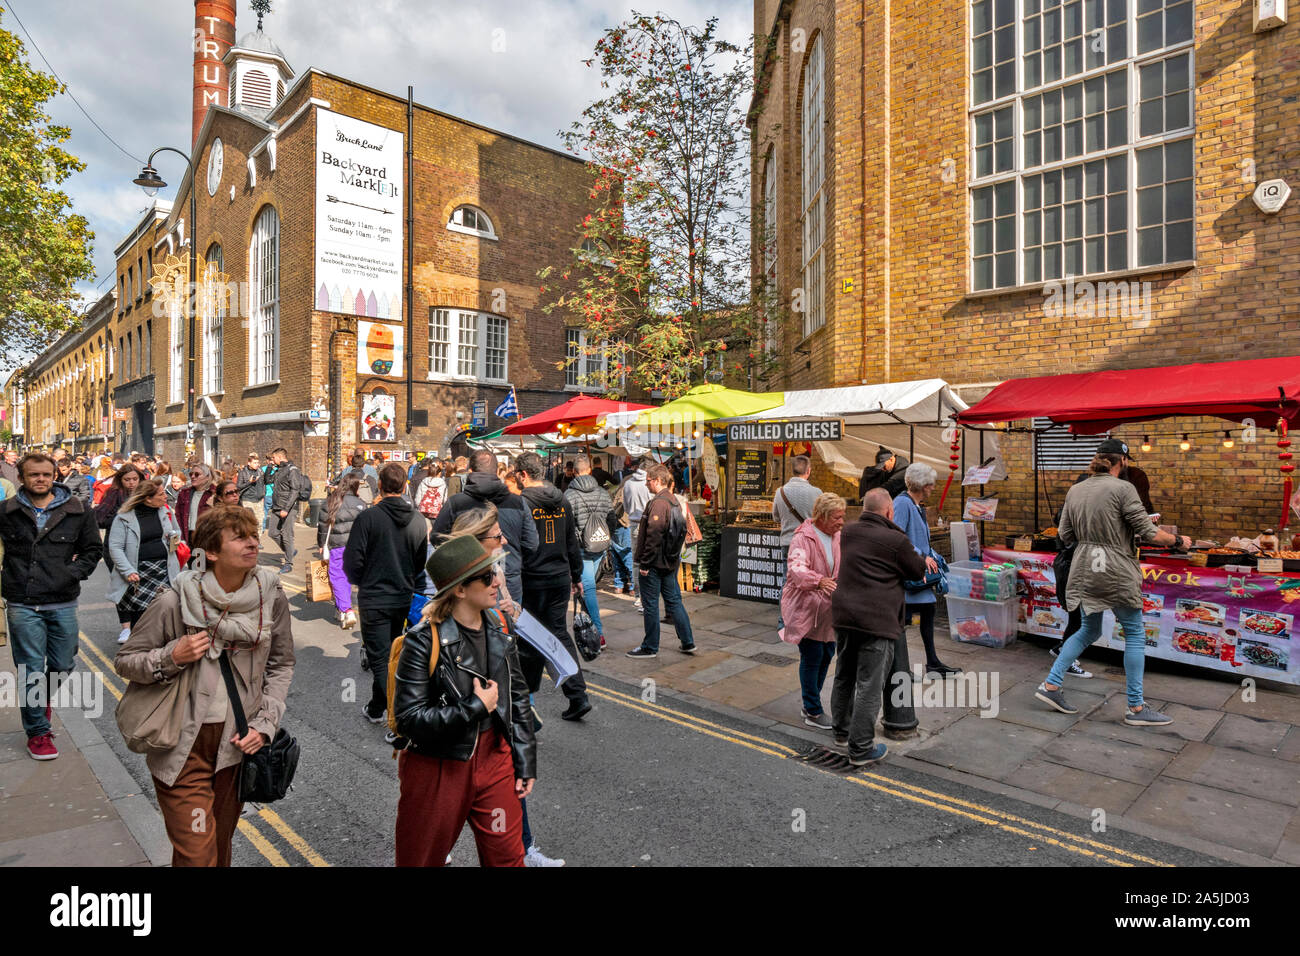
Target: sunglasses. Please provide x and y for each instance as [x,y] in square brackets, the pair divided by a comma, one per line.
[232,493]
[486,578]
[498,538]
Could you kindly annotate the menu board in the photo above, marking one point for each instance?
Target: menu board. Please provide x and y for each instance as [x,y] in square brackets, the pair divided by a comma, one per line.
[751,473]
[752,565]
[1241,623]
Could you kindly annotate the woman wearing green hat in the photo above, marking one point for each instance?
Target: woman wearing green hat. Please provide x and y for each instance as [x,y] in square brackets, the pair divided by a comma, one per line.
[471,752]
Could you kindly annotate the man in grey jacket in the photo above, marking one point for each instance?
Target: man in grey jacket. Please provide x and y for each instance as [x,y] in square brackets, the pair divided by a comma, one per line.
[587,500]
[791,506]
[636,495]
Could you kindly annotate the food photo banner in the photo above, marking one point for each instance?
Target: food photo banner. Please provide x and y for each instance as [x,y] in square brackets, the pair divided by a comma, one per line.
[1240,623]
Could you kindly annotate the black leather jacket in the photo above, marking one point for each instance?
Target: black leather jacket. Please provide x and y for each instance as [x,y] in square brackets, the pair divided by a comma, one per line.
[440,714]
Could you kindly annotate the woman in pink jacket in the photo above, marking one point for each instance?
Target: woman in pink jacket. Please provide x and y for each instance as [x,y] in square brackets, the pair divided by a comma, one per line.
[814,564]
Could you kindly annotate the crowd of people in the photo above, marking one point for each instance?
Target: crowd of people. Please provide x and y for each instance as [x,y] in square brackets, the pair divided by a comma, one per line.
[444,555]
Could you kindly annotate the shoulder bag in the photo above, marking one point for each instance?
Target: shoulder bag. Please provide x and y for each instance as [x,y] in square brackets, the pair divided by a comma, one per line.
[793,510]
[266,775]
[150,715]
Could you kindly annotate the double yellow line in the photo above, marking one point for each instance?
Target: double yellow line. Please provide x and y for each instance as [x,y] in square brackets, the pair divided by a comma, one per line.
[977,812]
[246,827]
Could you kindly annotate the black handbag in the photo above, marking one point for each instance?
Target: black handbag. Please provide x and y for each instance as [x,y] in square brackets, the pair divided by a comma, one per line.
[585,635]
[265,776]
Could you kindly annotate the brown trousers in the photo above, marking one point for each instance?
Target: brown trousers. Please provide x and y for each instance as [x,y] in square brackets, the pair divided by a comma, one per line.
[201,809]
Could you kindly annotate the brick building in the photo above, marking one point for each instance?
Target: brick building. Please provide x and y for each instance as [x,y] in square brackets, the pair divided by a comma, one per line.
[275,358]
[986,189]
[65,390]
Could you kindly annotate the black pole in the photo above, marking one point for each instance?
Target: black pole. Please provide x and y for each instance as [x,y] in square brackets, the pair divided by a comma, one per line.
[410,256]
[1035,455]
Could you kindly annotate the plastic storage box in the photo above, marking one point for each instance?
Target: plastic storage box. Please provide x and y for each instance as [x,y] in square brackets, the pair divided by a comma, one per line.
[991,623]
[980,581]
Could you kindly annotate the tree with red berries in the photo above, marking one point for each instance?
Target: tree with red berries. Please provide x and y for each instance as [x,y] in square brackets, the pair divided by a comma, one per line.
[660,275]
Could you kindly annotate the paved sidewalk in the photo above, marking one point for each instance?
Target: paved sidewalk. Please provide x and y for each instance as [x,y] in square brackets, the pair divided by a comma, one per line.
[83,809]
[1224,778]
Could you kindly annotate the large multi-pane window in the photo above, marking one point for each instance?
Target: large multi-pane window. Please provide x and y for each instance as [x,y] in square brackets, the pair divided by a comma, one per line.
[468,345]
[264,272]
[214,319]
[1080,138]
[588,362]
[814,196]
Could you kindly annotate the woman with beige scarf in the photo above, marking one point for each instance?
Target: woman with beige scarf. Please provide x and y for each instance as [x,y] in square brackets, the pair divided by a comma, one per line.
[225,603]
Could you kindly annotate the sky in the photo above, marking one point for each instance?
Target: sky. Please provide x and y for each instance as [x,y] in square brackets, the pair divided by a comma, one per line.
[129,63]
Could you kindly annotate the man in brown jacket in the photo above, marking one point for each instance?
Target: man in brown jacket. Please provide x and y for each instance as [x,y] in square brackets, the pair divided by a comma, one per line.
[876,557]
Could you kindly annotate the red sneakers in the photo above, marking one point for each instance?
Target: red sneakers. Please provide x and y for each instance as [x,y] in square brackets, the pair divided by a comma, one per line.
[41,747]
[602,641]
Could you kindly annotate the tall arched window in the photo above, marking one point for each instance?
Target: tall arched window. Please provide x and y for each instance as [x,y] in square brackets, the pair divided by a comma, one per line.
[814,198]
[264,279]
[214,317]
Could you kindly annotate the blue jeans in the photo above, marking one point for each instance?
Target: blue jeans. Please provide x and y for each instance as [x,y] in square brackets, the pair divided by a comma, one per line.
[1135,649]
[266,514]
[814,664]
[45,649]
[653,583]
[590,565]
[620,547]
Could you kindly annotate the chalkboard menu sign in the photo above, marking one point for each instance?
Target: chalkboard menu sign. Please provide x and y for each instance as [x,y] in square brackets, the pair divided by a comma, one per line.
[751,473]
[752,565]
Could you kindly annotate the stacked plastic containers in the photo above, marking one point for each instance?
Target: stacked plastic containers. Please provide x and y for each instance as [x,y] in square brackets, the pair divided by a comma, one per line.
[982,603]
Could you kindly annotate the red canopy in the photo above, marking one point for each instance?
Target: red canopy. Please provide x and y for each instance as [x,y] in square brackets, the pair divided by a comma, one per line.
[1094,402]
[581,411]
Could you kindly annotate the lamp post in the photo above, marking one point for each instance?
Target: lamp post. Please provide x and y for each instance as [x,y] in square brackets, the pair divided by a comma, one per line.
[151,182]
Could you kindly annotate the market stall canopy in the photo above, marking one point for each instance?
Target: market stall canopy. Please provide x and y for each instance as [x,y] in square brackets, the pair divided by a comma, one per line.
[578,415]
[1095,402]
[906,417]
[703,403]
[500,443]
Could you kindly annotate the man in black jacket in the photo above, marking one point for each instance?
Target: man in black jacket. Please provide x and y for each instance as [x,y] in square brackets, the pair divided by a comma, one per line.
[51,545]
[887,473]
[588,501]
[876,557]
[482,486]
[552,574]
[384,558]
[74,480]
[285,496]
[251,485]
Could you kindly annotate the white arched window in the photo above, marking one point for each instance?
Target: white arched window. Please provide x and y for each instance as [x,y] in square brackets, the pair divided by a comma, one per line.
[814,197]
[472,221]
[214,320]
[264,281]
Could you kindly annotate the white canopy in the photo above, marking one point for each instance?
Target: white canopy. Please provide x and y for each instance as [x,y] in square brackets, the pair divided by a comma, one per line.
[906,417]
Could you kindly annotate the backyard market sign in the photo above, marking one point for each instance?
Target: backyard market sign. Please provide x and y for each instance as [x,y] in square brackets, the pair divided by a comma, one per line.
[822,429]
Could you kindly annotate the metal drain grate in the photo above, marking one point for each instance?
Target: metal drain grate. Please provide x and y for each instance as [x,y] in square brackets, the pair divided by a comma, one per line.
[776,660]
[826,759]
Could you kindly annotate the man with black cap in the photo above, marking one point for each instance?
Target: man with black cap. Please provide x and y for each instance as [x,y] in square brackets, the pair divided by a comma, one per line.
[887,473]
[1138,479]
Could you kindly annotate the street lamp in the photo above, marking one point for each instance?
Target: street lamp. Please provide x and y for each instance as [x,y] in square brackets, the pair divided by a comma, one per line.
[151,182]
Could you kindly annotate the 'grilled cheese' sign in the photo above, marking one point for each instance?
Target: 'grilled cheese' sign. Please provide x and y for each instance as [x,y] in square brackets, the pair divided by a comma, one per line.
[822,429]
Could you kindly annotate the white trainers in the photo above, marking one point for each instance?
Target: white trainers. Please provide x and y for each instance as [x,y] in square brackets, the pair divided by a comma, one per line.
[535,857]
[124,636]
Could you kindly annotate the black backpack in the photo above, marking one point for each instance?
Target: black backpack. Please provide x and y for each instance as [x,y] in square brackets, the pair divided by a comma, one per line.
[674,536]
[300,483]
[595,535]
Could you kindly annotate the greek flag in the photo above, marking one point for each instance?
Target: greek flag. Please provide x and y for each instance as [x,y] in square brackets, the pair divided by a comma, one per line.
[508,408]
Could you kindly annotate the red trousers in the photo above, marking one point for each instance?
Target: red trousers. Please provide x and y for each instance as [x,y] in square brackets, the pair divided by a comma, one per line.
[438,797]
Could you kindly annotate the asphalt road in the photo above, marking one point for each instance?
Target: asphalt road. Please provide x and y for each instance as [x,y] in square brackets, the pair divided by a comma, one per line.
[635,784]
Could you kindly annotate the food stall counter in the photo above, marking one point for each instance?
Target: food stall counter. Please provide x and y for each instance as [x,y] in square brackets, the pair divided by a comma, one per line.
[1239,621]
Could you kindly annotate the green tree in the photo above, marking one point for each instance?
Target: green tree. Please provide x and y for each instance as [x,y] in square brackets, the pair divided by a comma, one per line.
[44,247]
[660,275]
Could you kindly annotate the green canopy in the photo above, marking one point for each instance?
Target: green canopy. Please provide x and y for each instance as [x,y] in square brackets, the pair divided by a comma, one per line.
[706,403]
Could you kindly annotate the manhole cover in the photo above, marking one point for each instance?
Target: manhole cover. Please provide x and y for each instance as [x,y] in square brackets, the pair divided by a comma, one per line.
[776,660]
